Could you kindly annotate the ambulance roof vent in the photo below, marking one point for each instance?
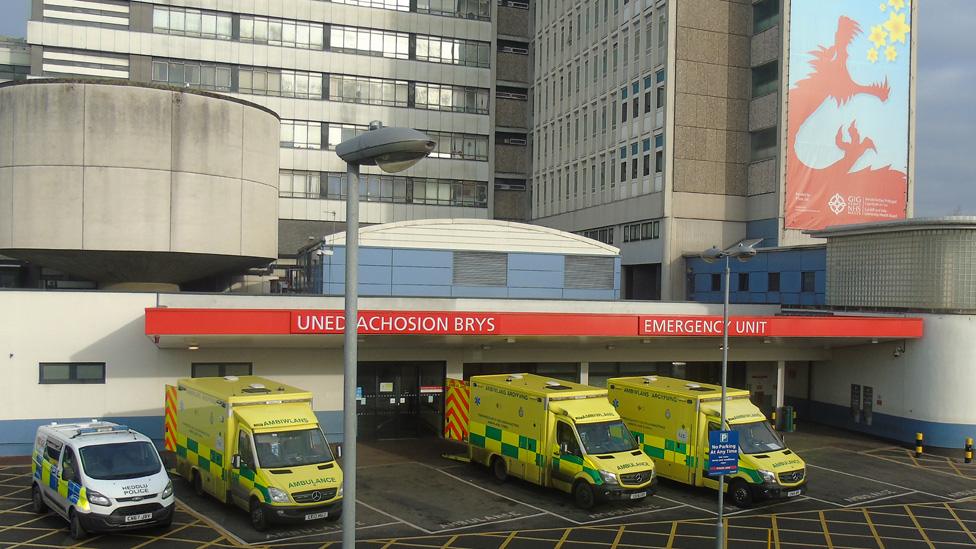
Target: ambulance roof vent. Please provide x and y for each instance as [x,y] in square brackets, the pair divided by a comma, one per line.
[513,377]
[231,378]
[693,386]
[650,379]
[554,385]
[256,388]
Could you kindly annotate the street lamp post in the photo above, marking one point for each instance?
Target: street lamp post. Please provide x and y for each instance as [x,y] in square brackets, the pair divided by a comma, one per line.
[393,150]
[742,251]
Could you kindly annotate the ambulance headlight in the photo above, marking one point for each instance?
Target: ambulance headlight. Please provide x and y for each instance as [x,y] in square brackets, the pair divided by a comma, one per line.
[98,499]
[769,477]
[340,489]
[168,491]
[608,477]
[278,496]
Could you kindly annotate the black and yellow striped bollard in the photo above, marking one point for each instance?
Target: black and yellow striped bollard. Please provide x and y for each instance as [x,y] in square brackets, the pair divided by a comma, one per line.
[773,420]
[918,445]
[969,450]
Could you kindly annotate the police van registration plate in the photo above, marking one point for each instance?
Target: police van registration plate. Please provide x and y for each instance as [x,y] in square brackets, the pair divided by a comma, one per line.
[137,518]
[793,493]
[638,495]
[313,516]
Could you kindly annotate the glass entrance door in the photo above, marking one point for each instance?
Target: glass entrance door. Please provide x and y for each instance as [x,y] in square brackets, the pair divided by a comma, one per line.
[400,400]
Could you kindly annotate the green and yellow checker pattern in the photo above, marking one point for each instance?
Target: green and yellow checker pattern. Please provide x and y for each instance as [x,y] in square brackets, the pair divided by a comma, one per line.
[47,474]
[200,455]
[506,443]
[665,449]
[249,479]
[571,466]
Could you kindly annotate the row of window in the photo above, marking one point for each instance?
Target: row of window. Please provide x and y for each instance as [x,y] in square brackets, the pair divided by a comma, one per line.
[384,188]
[808,281]
[602,234]
[309,85]
[645,230]
[303,134]
[467,9]
[61,373]
[317,36]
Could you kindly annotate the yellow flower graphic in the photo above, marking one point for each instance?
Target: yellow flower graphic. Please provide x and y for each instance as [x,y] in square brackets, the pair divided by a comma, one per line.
[873,55]
[896,27]
[897,4]
[891,53]
[878,36]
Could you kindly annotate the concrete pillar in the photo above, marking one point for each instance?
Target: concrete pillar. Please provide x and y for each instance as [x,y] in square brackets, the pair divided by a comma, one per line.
[780,382]
[585,373]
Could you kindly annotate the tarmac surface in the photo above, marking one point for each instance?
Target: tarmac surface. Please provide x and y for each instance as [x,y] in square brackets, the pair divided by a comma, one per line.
[862,492]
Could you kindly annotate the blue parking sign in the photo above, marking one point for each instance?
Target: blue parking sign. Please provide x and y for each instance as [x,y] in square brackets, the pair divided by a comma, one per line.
[723,454]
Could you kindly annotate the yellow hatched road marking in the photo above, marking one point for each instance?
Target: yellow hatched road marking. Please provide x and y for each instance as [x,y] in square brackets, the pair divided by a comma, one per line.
[562,540]
[826,532]
[961,523]
[674,529]
[164,536]
[874,531]
[775,530]
[450,541]
[725,533]
[508,539]
[620,534]
[919,526]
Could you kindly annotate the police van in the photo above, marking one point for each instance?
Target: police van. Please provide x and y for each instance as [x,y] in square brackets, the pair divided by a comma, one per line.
[100,476]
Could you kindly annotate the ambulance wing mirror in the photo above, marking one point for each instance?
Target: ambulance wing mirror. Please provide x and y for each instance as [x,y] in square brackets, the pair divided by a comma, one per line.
[169,459]
[235,461]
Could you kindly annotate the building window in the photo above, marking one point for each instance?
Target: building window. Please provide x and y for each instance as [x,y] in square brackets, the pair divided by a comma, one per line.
[765,14]
[773,282]
[371,91]
[443,97]
[384,188]
[463,146]
[716,282]
[191,22]
[644,230]
[763,143]
[395,45]
[220,369]
[205,76]
[765,79]
[54,373]
[280,32]
[453,51]
[603,234]
[808,282]
[299,134]
[281,83]
[743,282]
[467,9]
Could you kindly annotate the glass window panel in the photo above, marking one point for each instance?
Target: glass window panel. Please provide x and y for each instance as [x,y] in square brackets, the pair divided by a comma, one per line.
[274,83]
[274,32]
[224,26]
[177,20]
[209,24]
[301,85]
[315,85]
[389,45]
[314,188]
[444,193]
[247,28]
[160,71]
[284,184]
[362,40]
[349,40]
[301,134]
[223,77]
[160,19]
[316,33]
[303,36]
[421,95]
[401,94]
[287,132]
[375,91]
[176,73]
[55,372]
[288,84]
[403,47]
[89,371]
[389,93]
[423,48]
[193,75]
[314,135]
[192,22]
[260,81]
[336,37]
[335,135]
[260,30]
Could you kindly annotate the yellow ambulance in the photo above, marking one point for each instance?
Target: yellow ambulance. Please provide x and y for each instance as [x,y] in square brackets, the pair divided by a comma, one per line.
[555,433]
[256,443]
[671,419]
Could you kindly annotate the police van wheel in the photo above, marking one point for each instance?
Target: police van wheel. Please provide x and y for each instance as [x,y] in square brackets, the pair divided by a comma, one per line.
[740,494]
[583,495]
[499,469]
[75,528]
[259,519]
[37,500]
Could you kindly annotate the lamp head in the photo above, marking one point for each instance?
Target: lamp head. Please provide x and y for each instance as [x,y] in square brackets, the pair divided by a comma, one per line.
[712,254]
[392,149]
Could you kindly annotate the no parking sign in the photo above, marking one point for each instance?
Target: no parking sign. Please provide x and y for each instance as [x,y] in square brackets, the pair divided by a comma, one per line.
[723,454]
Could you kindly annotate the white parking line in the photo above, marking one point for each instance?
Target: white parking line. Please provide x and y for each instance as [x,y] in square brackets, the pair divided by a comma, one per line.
[628,515]
[863,503]
[488,523]
[325,533]
[702,509]
[394,517]
[876,480]
[764,507]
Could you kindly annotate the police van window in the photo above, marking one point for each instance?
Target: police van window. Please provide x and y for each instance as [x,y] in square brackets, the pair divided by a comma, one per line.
[69,468]
[53,452]
[71,372]
[244,449]
[221,369]
[565,436]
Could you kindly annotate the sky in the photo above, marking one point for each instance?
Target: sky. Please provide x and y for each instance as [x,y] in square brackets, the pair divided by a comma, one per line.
[945,136]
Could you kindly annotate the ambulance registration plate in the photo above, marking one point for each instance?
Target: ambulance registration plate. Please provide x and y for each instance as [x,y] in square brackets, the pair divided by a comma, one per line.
[638,495]
[137,518]
[793,493]
[314,516]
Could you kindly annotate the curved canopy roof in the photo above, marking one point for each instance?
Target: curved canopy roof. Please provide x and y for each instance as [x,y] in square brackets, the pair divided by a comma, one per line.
[483,235]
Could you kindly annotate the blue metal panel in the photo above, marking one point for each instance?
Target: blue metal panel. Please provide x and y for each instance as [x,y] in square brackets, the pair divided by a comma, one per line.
[757,263]
[789,298]
[783,261]
[814,260]
[759,297]
[373,274]
[758,282]
[807,298]
[535,279]
[766,229]
[789,281]
[479,291]
[536,262]
[422,275]
[374,289]
[426,290]
[423,258]
[336,274]
[573,293]
[338,256]
[375,256]
[535,293]
[703,282]
[820,281]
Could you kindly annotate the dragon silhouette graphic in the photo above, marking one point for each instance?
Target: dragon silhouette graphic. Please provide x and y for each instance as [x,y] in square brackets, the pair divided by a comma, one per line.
[819,197]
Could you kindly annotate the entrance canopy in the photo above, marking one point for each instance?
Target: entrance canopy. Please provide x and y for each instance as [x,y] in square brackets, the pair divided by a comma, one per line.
[453,321]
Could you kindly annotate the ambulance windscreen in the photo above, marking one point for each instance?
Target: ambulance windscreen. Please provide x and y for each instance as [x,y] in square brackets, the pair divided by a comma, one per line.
[607,437]
[119,461]
[758,437]
[292,448]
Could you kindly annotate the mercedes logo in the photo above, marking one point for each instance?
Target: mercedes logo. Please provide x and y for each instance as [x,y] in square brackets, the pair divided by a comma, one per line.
[316,495]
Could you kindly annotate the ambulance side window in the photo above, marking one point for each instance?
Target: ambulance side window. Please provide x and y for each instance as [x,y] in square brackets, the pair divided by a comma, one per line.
[565,436]
[244,449]
[711,427]
[69,467]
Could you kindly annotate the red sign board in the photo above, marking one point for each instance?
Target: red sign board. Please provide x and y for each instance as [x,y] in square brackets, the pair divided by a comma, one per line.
[171,321]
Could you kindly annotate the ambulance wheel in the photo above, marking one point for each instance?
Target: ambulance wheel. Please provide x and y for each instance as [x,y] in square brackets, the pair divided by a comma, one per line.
[259,519]
[37,500]
[740,494]
[75,528]
[583,495]
[197,484]
[499,469]
[334,516]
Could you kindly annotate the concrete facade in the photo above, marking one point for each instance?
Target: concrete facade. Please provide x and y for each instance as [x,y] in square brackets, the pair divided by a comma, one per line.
[113,182]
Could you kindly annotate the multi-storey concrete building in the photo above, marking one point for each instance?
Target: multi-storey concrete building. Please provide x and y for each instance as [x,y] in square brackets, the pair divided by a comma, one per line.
[660,127]
[328,68]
